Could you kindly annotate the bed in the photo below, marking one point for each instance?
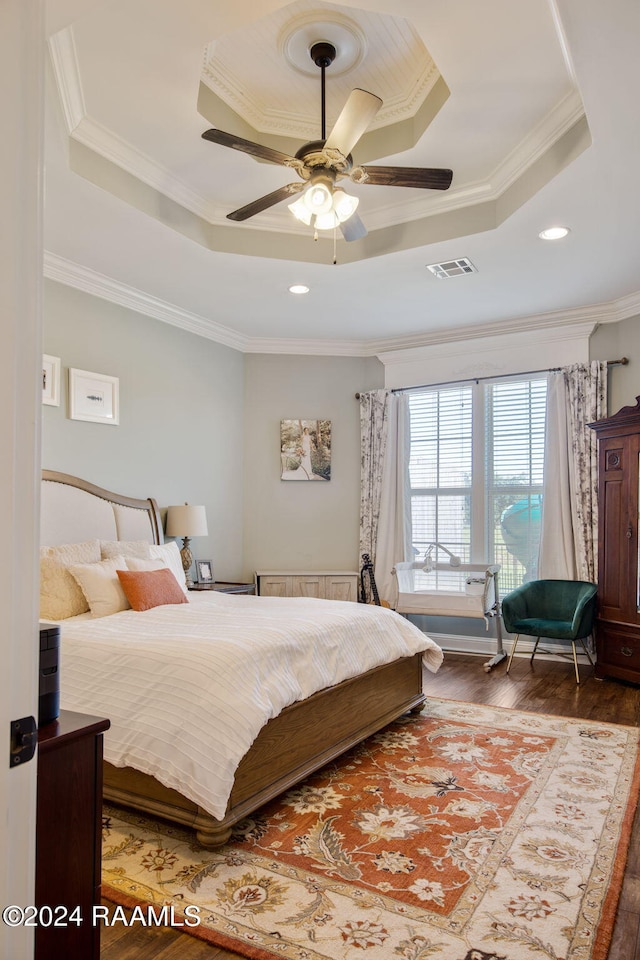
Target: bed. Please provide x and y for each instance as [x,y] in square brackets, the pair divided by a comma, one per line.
[308,729]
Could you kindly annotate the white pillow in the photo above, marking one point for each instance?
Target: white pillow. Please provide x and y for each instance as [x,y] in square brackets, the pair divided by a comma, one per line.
[135,563]
[100,584]
[170,556]
[124,548]
[60,595]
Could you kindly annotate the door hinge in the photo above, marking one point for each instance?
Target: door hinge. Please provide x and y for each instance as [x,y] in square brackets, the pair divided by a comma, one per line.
[24,740]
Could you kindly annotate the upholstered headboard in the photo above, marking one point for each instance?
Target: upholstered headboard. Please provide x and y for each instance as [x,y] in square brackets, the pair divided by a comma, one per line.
[74,510]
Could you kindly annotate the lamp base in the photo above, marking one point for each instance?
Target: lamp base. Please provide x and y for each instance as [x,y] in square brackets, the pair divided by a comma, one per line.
[187,561]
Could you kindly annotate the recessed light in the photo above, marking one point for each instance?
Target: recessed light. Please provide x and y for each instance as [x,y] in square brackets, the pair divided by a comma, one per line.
[554,233]
[298,288]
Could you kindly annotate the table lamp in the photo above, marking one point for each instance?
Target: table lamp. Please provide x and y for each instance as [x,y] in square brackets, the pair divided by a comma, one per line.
[186,521]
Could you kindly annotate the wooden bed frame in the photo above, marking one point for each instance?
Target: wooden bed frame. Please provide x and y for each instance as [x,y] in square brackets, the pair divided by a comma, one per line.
[301,739]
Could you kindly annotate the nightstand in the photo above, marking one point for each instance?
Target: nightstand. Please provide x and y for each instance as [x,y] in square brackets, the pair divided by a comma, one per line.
[223,587]
[69,832]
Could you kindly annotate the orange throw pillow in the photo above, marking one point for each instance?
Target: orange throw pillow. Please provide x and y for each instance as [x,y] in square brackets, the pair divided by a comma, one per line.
[145,589]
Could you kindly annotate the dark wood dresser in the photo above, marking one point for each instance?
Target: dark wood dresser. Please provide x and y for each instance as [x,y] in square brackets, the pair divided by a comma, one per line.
[618,619]
[69,833]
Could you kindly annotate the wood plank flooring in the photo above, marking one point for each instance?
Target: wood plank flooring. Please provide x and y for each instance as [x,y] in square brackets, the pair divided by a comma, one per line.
[546,687]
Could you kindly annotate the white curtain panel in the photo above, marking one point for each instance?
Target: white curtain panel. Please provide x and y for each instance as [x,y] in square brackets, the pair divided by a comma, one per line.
[557,559]
[577,397]
[394,520]
[385,521]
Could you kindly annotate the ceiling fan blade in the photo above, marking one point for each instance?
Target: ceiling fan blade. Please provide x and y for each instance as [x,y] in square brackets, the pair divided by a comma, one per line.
[353,228]
[263,203]
[429,178]
[357,113]
[247,146]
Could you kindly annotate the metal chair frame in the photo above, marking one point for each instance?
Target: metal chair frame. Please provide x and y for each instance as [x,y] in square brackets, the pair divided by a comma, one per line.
[535,647]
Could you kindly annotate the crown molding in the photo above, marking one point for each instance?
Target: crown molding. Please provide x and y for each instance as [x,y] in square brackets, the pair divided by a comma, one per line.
[224,83]
[557,323]
[610,312]
[93,135]
[106,144]
[98,285]
[559,328]
[66,69]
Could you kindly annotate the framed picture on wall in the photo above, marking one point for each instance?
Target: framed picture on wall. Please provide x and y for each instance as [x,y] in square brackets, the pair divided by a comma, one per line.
[305,449]
[51,380]
[205,571]
[94,397]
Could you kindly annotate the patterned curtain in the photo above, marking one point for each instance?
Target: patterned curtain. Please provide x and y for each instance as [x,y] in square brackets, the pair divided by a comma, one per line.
[374,417]
[569,537]
[385,503]
[586,386]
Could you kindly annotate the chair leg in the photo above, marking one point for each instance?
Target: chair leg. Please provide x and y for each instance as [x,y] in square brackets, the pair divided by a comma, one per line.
[535,647]
[513,650]
[584,647]
[575,660]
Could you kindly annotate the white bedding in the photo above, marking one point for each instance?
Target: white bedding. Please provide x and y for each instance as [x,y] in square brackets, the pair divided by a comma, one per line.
[188,687]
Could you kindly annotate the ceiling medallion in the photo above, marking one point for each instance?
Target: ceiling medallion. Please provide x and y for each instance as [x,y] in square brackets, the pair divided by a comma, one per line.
[300,33]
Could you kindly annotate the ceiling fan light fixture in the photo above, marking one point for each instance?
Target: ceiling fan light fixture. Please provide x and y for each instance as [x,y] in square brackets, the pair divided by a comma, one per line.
[318,198]
[344,205]
[301,211]
[326,221]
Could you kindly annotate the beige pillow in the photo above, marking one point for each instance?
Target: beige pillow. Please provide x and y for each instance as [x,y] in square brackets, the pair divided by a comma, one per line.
[124,548]
[134,563]
[170,556]
[60,594]
[100,584]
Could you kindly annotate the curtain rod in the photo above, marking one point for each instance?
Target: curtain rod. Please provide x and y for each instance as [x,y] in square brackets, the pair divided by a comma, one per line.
[622,362]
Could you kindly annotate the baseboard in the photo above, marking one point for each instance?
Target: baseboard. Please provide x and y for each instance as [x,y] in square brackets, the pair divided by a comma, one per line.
[486,646]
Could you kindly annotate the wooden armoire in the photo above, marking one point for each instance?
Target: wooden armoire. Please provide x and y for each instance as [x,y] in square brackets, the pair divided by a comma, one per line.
[618,618]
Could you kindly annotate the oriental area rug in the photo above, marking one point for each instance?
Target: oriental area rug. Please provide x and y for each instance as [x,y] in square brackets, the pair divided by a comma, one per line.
[464,833]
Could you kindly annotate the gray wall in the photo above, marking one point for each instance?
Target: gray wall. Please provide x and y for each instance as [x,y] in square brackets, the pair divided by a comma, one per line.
[201,422]
[293,525]
[610,342]
[181,415]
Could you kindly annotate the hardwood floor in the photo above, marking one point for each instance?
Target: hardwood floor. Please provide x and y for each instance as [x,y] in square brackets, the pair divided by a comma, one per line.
[546,687]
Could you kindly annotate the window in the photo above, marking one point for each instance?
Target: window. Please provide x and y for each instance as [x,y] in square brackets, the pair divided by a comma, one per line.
[476,472]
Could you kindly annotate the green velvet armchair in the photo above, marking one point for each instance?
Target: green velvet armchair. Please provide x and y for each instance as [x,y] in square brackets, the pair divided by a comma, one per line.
[555,609]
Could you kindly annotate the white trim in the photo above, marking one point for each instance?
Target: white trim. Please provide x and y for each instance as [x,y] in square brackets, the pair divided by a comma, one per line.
[493,356]
[86,130]
[21,171]
[102,141]
[393,349]
[90,281]
[482,647]
[66,70]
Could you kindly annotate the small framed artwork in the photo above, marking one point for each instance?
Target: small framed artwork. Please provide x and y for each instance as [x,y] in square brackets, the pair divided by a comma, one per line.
[51,380]
[205,571]
[94,397]
[305,449]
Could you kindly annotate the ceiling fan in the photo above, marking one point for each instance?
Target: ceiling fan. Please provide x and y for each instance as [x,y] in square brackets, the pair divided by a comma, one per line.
[322,163]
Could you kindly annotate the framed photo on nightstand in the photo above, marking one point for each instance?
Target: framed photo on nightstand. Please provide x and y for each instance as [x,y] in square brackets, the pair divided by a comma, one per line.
[205,571]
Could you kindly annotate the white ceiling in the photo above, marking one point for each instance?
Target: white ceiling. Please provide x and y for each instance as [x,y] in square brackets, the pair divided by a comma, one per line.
[532,104]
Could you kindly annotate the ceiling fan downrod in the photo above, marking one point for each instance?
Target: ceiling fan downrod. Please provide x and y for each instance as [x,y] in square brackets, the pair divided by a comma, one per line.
[323,54]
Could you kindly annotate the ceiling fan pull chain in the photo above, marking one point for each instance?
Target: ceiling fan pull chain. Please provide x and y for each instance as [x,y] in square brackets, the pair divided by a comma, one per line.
[335,255]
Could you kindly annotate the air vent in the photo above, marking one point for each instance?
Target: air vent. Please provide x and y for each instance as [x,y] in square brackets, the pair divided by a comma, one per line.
[452,268]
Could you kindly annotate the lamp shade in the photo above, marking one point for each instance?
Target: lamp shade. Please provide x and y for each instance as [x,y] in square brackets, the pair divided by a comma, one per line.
[186,521]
